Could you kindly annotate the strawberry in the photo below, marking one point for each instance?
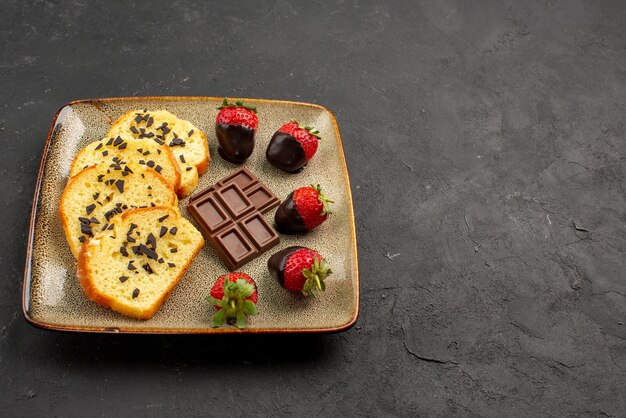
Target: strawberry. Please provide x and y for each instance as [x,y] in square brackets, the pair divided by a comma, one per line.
[235,296]
[289,127]
[307,137]
[235,126]
[299,269]
[304,209]
[237,114]
[292,147]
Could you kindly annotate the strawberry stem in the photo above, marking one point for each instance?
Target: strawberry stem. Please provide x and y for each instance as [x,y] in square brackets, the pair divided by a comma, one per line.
[234,305]
[312,131]
[315,276]
[238,103]
[323,200]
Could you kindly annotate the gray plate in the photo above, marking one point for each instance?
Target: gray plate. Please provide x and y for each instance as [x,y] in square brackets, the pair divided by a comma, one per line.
[53,298]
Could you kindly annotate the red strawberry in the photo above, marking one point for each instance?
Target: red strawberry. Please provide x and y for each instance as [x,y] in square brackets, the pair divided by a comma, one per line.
[237,114]
[289,127]
[308,140]
[299,269]
[303,210]
[235,296]
[307,137]
[235,127]
[292,147]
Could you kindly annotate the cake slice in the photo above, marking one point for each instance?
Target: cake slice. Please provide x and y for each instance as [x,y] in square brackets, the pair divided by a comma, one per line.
[93,197]
[188,143]
[134,267]
[128,149]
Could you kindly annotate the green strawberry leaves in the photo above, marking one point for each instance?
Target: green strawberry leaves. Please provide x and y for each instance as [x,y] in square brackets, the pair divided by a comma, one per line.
[219,318]
[312,131]
[323,200]
[238,103]
[234,305]
[249,307]
[241,320]
[315,276]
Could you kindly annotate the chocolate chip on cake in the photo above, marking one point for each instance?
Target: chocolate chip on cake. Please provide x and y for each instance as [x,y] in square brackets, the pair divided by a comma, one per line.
[120,185]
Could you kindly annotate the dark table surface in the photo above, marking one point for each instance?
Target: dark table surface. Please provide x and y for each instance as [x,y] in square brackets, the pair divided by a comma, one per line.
[487,153]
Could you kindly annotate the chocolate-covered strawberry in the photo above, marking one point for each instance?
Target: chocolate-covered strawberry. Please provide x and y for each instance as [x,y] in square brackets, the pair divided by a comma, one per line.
[235,295]
[235,126]
[304,209]
[299,269]
[292,147]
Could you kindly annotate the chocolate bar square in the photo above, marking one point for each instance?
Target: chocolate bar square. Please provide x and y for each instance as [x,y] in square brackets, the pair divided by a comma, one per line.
[210,214]
[234,247]
[234,200]
[261,197]
[242,178]
[258,230]
[230,215]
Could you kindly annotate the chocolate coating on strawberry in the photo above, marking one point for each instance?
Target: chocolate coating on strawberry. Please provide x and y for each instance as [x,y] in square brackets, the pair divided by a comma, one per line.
[236,142]
[276,263]
[292,147]
[235,128]
[287,219]
[286,153]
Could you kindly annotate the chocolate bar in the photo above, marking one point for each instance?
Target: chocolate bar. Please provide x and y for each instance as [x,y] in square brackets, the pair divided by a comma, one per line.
[230,215]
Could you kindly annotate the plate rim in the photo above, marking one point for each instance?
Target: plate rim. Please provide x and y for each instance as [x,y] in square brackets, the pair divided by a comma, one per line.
[26,283]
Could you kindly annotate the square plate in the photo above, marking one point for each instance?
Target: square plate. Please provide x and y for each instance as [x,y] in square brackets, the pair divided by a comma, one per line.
[52,297]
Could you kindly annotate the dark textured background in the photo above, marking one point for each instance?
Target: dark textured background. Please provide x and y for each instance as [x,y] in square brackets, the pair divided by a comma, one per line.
[487,152]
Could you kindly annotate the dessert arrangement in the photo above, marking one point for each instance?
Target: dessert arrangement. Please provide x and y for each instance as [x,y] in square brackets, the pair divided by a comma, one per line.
[121,217]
